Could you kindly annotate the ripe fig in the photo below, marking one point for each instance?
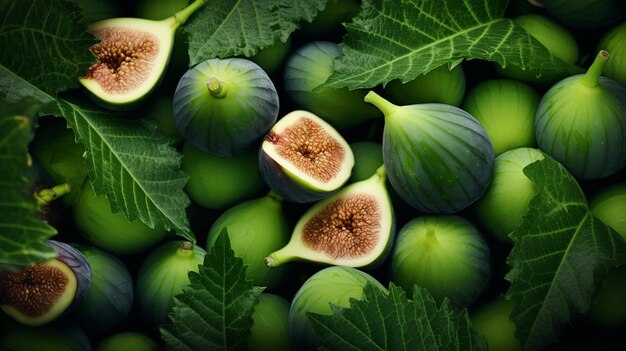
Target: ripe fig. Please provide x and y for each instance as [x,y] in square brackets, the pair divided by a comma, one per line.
[438,157]
[133,54]
[442,85]
[304,159]
[270,328]
[41,292]
[614,41]
[128,341]
[225,106]
[581,122]
[354,227]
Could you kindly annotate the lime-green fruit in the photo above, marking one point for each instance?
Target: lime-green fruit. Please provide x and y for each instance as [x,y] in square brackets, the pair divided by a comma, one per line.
[492,321]
[272,57]
[442,85]
[586,14]
[163,275]
[614,42]
[368,157]
[256,228]
[506,108]
[128,341]
[506,200]
[111,231]
[58,336]
[609,205]
[159,9]
[220,182]
[160,111]
[270,328]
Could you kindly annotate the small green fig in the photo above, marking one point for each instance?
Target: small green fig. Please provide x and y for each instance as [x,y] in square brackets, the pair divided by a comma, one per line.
[586,14]
[609,205]
[272,57]
[128,341]
[160,111]
[614,41]
[492,321]
[368,157]
[270,328]
[442,85]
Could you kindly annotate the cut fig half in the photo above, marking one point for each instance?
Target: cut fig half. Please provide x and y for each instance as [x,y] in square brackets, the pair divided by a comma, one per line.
[354,227]
[304,159]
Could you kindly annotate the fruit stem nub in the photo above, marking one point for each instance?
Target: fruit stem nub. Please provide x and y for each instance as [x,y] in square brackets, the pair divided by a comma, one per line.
[385,106]
[216,87]
[381,172]
[181,16]
[591,78]
[46,196]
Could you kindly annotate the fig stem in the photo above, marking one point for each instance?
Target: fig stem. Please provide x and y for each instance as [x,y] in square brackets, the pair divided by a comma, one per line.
[594,72]
[46,196]
[385,106]
[216,87]
[186,246]
[381,172]
[181,16]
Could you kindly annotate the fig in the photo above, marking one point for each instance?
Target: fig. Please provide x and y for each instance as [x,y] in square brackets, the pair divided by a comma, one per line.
[332,285]
[128,341]
[501,208]
[368,157]
[446,255]
[133,54]
[304,159]
[581,122]
[492,321]
[614,41]
[443,85]
[609,205]
[355,227]
[439,158]
[506,109]
[61,335]
[586,14]
[225,106]
[41,292]
[271,58]
[109,298]
[306,69]
[111,231]
[270,328]
[160,111]
[255,229]
[162,275]
[217,182]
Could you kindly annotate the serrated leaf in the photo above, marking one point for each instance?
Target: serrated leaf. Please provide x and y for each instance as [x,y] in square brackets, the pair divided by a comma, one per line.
[132,165]
[214,312]
[393,322]
[45,43]
[404,39]
[22,233]
[243,27]
[561,251]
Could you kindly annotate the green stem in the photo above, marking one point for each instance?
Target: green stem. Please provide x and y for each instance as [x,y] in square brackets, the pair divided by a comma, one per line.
[46,196]
[185,248]
[385,106]
[279,257]
[216,87]
[381,172]
[592,76]
[181,16]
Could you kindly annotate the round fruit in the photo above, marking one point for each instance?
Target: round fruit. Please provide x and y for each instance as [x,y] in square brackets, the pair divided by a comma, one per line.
[225,106]
[333,285]
[160,111]
[609,205]
[57,336]
[444,254]
[438,157]
[368,157]
[310,66]
[581,122]
[304,159]
[111,231]
[506,200]
[492,321]
[271,58]
[220,182]
[506,109]
[163,275]
[614,42]
[110,296]
[441,85]
[270,328]
[586,14]
[255,229]
[128,341]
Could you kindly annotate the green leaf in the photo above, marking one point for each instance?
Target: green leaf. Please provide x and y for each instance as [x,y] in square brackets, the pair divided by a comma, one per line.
[22,233]
[45,42]
[132,165]
[561,252]
[214,312]
[243,27]
[404,39]
[393,322]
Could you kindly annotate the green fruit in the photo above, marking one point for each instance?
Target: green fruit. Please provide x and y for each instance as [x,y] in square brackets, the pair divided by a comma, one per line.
[310,66]
[609,205]
[581,122]
[492,321]
[304,159]
[111,231]
[128,341]
[368,157]
[441,85]
[501,208]
[159,9]
[220,182]
[444,254]
[586,14]
[160,111]
[57,336]
[506,109]
[354,227]
[614,42]
[126,74]
[270,59]
[163,275]
[109,298]
[333,285]
[438,157]
[225,106]
[270,328]
[97,10]
[255,229]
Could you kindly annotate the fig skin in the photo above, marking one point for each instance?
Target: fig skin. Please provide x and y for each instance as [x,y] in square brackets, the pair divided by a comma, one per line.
[270,328]
[492,321]
[442,85]
[128,341]
[586,14]
[614,41]
[609,205]
[368,157]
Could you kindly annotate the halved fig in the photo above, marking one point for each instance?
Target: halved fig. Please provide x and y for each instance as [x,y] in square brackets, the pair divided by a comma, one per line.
[304,159]
[354,228]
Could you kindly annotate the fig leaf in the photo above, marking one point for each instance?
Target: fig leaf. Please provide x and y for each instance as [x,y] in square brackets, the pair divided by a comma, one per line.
[214,312]
[395,322]
[560,257]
